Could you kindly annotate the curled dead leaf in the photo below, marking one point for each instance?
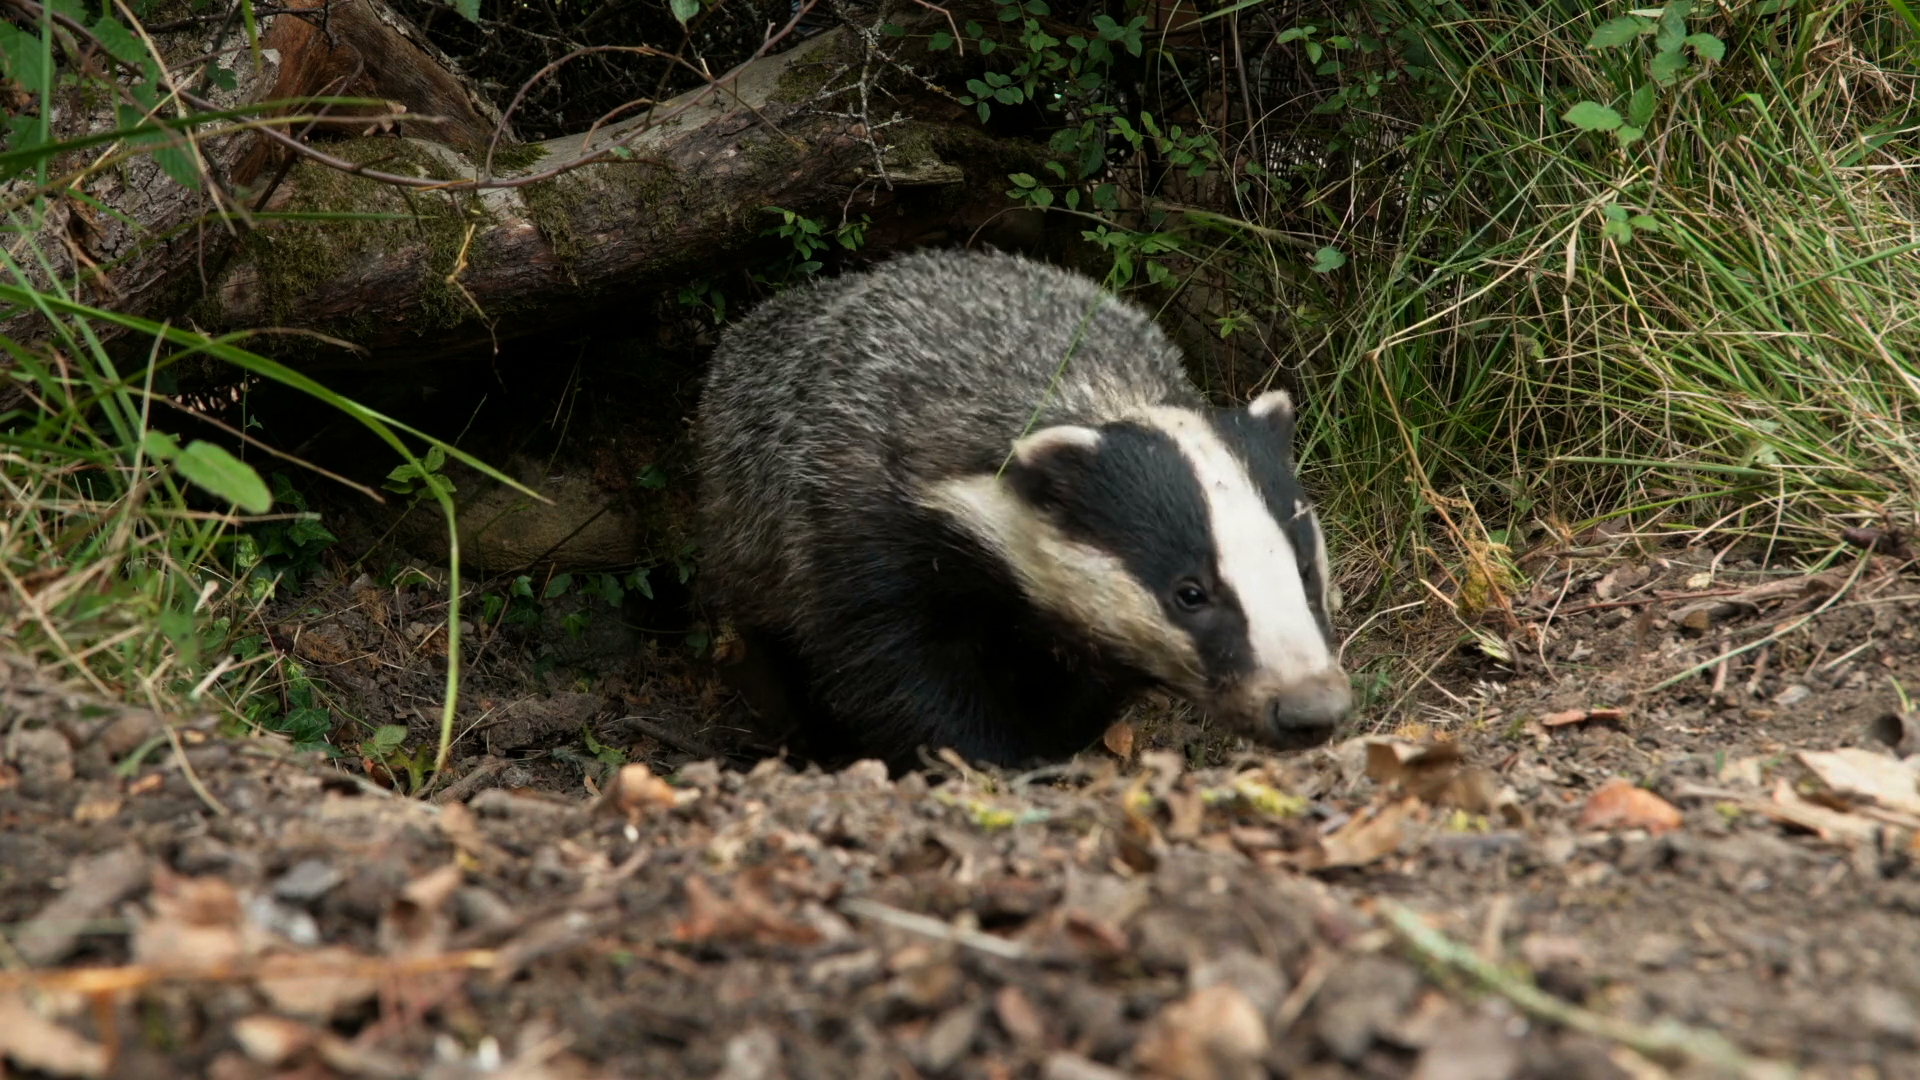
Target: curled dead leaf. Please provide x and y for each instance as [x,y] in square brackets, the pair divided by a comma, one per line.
[1119,740]
[1620,805]
[636,792]
[748,916]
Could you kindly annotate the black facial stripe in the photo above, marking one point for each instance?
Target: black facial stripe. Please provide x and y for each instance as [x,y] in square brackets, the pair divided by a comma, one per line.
[1138,499]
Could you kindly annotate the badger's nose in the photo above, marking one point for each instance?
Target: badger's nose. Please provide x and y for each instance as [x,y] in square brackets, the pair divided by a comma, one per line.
[1304,712]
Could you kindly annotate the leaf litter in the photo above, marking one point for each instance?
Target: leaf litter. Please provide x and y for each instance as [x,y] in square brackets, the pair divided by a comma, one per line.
[1687,880]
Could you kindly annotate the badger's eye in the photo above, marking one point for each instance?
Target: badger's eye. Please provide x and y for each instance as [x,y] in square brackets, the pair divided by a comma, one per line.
[1190,596]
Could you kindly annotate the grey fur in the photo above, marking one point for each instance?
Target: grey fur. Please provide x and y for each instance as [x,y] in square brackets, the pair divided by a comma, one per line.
[840,403]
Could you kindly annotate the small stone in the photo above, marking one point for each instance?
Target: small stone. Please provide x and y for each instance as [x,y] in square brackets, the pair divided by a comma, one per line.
[307,881]
[1887,1013]
[949,1039]
[1791,696]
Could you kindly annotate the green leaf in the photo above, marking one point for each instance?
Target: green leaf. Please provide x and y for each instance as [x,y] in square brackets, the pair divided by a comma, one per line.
[120,42]
[1592,116]
[1640,106]
[177,161]
[1643,223]
[1627,134]
[1667,66]
[1617,32]
[22,52]
[1327,260]
[940,40]
[558,585]
[212,468]
[1708,46]
[160,446]
[682,9]
[1617,231]
[1024,180]
[470,9]
[387,738]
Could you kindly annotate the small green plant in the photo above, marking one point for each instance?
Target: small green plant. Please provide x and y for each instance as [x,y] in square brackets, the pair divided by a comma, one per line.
[286,549]
[809,237]
[421,478]
[1676,54]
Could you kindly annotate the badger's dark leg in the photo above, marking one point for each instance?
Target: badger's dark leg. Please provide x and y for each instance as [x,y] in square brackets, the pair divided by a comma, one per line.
[769,678]
[927,644]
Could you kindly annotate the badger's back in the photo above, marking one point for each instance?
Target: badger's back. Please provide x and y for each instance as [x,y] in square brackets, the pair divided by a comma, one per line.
[829,409]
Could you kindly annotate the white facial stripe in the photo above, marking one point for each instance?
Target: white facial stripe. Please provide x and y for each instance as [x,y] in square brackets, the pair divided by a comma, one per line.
[1256,560]
[1321,567]
[1082,584]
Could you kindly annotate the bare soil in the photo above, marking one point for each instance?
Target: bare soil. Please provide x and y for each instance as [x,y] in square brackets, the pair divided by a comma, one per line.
[1638,860]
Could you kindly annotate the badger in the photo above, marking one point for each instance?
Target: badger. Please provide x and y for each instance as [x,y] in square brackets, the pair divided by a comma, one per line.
[971,500]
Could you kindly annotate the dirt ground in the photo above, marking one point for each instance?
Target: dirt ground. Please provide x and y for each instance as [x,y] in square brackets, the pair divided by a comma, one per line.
[1593,845]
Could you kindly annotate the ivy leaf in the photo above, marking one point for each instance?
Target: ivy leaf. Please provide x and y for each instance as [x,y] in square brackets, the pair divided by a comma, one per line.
[1327,260]
[1617,32]
[558,586]
[213,469]
[1592,116]
[682,9]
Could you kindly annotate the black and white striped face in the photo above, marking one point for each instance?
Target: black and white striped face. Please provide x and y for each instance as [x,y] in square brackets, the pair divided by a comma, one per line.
[1183,540]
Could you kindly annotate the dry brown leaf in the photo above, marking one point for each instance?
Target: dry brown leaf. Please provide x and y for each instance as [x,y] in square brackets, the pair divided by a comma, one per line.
[1791,807]
[1858,775]
[1119,740]
[1018,1017]
[272,1040]
[32,1041]
[94,811]
[417,923]
[1581,716]
[1371,835]
[636,792]
[1214,1033]
[1620,805]
[1479,1048]
[316,984]
[748,916]
[195,924]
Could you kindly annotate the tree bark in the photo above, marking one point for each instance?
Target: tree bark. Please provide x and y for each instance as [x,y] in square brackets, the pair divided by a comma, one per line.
[452,270]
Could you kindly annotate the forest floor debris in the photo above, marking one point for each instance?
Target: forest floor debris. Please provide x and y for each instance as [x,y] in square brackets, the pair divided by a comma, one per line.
[1674,834]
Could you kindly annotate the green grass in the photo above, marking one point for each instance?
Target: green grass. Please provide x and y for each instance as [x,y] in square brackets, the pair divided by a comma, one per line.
[1493,363]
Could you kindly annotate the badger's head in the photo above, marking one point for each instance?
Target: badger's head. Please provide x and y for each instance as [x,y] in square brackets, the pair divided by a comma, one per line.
[1182,543]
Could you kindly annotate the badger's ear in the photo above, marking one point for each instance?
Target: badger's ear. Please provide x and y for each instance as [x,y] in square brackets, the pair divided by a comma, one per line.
[1275,409]
[1047,464]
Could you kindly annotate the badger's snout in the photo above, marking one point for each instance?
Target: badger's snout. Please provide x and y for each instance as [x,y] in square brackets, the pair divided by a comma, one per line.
[1304,713]
[1290,714]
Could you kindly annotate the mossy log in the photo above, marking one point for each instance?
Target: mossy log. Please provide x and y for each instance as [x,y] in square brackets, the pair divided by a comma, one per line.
[437,270]
[513,261]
